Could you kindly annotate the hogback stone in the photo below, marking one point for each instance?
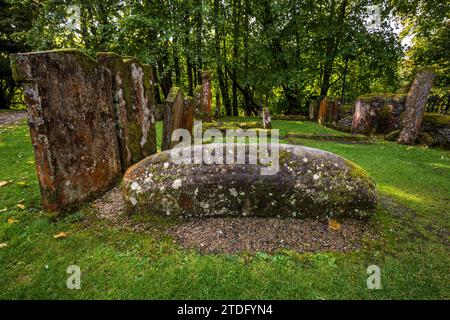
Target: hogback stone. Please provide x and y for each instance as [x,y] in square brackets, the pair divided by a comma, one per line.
[309,183]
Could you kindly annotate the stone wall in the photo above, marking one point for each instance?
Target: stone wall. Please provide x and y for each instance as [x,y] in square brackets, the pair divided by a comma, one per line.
[89,120]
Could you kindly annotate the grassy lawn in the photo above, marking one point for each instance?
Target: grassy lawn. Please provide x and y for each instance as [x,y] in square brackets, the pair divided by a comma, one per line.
[412,249]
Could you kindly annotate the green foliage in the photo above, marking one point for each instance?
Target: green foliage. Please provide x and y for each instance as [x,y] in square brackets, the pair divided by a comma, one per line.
[285,50]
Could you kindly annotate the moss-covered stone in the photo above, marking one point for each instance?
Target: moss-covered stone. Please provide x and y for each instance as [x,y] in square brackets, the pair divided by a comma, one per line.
[309,183]
[69,100]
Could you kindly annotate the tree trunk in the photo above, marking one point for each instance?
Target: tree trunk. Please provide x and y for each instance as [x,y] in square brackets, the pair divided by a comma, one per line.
[415,106]
[236,12]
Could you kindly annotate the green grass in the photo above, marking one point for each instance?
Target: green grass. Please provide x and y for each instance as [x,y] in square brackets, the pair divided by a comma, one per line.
[412,249]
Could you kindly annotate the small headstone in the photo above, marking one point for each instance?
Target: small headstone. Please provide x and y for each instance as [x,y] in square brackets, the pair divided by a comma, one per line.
[313,110]
[198,100]
[206,93]
[188,114]
[267,121]
[173,116]
[333,109]
[323,111]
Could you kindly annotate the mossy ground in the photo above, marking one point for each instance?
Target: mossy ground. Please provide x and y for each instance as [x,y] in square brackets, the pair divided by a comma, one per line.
[412,250]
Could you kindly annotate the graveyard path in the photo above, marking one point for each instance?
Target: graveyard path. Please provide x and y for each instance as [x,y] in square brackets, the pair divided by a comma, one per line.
[12,117]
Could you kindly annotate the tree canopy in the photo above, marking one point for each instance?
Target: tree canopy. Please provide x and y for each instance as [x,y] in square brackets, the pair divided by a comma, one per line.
[287,50]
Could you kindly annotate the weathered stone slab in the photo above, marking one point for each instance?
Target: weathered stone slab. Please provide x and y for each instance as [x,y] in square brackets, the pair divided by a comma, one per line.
[313,110]
[72,125]
[206,93]
[309,183]
[198,100]
[173,116]
[188,114]
[415,106]
[133,96]
[378,113]
[323,111]
[267,121]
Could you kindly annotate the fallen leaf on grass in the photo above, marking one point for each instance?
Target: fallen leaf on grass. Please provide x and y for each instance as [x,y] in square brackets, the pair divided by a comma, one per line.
[3,183]
[334,225]
[22,183]
[4,209]
[3,245]
[61,235]
[11,221]
[20,206]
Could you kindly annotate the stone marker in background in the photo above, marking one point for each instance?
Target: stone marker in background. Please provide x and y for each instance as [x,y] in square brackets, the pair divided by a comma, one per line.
[415,106]
[378,113]
[134,105]
[206,93]
[333,109]
[173,116]
[313,109]
[188,114]
[323,111]
[267,121]
[72,125]
[198,100]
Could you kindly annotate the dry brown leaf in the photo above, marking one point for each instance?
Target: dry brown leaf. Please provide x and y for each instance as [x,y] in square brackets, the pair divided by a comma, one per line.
[3,245]
[11,221]
[21,206]
[334,225]
[3,183]
[61,235]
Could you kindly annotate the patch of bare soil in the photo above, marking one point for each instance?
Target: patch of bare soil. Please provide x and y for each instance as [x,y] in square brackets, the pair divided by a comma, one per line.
[12,117]
[227,235]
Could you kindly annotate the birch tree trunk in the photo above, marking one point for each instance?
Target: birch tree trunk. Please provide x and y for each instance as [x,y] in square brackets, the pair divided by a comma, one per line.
[415,106]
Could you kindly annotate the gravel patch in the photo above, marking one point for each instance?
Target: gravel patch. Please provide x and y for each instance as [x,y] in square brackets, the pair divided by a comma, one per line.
[228,235]
[216,235]
[12,117]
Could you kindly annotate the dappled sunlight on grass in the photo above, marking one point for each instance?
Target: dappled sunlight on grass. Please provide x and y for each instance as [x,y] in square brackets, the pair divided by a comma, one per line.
[401,194]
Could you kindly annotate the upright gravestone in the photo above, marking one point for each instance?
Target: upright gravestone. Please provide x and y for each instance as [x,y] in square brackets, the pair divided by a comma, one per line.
[188,114]
[415,106]
[333,109]
[72,125]
[133,94]
[198,100]
[313,110]
[323,111]
[267,121]
[206,93]
[173,116]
